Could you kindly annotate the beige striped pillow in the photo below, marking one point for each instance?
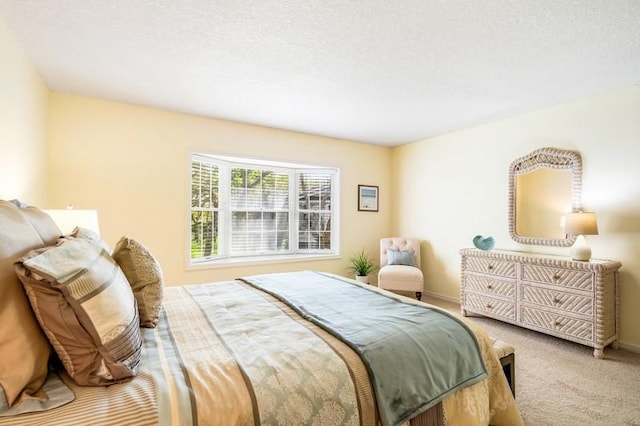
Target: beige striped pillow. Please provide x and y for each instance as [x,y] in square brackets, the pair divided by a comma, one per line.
[86,308]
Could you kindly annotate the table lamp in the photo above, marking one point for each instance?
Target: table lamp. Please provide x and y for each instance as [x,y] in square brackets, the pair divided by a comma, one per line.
[581,224]
[67,219]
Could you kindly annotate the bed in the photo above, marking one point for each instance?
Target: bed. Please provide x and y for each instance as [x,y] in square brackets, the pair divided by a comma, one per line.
[292,348]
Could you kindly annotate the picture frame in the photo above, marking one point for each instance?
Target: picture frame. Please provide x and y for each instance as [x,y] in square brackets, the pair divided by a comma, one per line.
[368,196]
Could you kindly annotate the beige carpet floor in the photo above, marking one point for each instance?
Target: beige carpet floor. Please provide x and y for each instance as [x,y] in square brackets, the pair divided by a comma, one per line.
[560,383]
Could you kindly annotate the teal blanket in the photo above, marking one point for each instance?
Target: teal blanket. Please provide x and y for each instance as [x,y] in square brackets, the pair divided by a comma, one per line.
[416,355]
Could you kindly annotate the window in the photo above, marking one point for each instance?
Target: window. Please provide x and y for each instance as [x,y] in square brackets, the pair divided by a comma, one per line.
[243,209]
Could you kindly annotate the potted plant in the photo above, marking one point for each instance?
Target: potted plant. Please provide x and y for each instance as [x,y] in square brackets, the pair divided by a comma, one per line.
[362,266]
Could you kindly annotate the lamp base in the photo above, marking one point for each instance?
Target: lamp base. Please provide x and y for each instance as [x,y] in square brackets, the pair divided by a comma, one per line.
[580,250]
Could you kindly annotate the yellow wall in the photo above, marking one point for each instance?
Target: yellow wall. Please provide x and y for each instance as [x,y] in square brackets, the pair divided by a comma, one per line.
[449,188]
[24,107]
[132,164]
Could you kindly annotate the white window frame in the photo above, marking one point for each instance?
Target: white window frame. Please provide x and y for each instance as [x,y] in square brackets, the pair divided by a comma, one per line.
[294,253]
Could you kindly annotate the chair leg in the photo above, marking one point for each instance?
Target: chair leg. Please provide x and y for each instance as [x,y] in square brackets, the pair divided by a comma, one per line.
[419,295]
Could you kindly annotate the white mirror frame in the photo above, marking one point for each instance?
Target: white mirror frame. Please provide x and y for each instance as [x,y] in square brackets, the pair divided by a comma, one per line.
[551,158]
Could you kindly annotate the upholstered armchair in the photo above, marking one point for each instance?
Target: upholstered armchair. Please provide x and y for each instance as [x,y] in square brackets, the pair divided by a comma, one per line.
[400,265]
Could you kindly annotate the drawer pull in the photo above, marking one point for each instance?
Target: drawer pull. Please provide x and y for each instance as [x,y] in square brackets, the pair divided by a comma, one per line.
[556,277]
[556,300]
[557,322]
[490,267]
[489,286]
[489,306]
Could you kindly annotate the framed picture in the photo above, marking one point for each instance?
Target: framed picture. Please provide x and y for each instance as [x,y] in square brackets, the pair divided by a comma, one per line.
[367,198]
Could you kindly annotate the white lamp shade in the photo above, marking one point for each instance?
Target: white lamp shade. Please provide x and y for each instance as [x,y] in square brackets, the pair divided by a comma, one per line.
[581,223]
[68,219]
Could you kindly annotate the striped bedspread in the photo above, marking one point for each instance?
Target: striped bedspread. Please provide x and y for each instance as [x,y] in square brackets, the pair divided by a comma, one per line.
[229,354]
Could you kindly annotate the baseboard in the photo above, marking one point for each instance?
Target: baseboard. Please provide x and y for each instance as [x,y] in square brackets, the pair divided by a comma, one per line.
[629,347]
[441,297]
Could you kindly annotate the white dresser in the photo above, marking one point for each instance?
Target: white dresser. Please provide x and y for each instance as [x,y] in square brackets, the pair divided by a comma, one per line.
[556,295]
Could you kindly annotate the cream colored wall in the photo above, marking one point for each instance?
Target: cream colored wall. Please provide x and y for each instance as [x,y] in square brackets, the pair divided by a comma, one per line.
[131,163]
[24,103]
[449,188]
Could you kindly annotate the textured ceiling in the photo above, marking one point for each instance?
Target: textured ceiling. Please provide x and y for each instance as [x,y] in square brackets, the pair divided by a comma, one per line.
[375,71]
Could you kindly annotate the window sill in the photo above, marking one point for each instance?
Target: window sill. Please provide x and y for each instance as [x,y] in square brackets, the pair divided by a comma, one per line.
[262,260]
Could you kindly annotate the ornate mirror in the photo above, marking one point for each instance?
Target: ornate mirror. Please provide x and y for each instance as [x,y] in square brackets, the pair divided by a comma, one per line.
[543,187]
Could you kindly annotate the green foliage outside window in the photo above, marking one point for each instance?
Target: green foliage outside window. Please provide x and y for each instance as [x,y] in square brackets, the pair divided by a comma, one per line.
[252,205]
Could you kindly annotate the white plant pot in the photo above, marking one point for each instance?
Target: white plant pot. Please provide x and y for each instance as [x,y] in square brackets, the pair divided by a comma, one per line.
[363,278]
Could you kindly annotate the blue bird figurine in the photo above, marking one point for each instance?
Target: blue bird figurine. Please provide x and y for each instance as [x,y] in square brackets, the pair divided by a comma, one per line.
[485,244]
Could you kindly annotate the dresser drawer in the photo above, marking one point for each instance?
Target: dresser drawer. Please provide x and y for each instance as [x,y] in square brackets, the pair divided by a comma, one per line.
[490,286]
[488,305]
[491,266]
[582,280]
[557,323]
[558,300]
